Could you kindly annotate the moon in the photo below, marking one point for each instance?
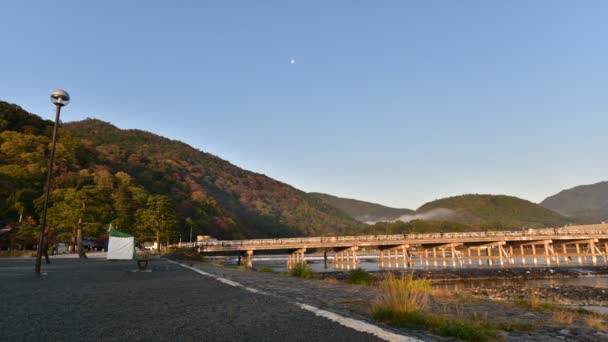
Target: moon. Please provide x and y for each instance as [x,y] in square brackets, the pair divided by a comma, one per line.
[293,61]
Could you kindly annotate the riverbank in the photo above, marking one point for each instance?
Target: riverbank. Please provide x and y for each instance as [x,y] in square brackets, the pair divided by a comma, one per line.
[511,320]
[462,274]
[507,285]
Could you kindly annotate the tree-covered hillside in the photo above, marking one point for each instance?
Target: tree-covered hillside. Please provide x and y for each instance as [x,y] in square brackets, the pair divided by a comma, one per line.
[585,203]
[503,212]
[143,183]
[363,211]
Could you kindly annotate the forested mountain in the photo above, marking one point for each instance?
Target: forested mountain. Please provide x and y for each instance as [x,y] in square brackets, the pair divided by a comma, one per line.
[584,204]
[500,211]
[363,211]
[141,182]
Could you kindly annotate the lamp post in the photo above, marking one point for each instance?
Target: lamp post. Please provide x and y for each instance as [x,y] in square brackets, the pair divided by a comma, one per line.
[60,98]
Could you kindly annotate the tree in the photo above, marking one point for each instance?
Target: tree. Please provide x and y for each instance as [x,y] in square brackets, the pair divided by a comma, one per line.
[157,217]
[74,210]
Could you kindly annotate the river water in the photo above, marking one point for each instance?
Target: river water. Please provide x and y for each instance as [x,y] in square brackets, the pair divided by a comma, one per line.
[278,263]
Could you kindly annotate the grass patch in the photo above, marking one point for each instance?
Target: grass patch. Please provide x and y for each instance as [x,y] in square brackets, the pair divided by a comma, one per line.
[360,277]
[564,316]
[532,302]
[597,322]
[302,270]
[243,268]
[403,294]
[18,253]
[266,269]
[515,326]
[402,302]
[465,330]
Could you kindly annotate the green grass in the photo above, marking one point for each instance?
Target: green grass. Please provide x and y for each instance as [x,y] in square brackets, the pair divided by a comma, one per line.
[266,269]
[465,330]
[302,270]
[243,268]
[515,326]
[360,277]
[532,302]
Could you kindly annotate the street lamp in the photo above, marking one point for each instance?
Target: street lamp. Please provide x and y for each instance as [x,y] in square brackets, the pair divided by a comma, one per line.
[60,98]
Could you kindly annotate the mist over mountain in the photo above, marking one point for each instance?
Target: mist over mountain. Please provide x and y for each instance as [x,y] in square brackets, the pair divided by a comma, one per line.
[363,211]
[584,203]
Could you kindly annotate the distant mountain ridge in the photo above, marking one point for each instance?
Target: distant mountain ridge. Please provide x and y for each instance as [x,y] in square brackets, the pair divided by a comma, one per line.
[363,211]
[584,203]
[473,210]
[501,210]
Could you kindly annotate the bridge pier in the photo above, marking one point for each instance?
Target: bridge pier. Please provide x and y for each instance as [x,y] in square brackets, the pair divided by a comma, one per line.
[247,258]
[296,257]
[346,255]
[386,253]
[443,259]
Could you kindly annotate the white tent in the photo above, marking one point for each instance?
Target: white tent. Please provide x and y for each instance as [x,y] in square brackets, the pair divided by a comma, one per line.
[121,246]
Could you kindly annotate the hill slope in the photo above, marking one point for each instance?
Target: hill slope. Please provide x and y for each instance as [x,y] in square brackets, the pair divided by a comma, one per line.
[585,203]
[129,166]
[493,210]
[363,211]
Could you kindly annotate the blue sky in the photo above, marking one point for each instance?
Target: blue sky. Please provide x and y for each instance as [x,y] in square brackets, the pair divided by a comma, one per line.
[396,102]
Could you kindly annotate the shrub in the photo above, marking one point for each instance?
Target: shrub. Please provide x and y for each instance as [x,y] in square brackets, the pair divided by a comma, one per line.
[361,277]
[302,270]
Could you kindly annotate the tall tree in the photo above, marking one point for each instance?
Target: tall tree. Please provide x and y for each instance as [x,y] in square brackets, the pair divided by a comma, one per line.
[157,217]
[74,210]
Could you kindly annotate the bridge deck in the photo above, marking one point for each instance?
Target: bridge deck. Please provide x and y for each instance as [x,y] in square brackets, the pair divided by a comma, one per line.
[550,245]
[556,235]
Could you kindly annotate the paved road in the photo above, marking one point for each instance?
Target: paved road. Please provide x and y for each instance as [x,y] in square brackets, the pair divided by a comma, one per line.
[97,299]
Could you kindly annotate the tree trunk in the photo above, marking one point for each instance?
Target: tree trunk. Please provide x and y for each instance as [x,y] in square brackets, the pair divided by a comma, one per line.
[158,240]
[79,247]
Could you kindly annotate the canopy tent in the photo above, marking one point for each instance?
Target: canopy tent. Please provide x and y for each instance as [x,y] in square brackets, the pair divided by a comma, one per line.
[121,246]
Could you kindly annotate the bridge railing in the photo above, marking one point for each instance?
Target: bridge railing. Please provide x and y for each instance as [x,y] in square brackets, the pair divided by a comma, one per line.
[405,237]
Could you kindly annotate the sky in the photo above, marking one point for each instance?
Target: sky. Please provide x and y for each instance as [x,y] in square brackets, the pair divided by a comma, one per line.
[394,102]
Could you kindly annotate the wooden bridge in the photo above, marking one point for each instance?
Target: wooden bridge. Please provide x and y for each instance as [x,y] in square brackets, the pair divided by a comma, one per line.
[586,244]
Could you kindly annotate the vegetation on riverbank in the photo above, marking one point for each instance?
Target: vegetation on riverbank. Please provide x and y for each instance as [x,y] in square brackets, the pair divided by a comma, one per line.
[560,313]
[403,300]
[360,276]
[302,270]
[183,254]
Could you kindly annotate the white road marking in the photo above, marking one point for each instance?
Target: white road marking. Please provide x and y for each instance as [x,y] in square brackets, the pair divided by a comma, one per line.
[352,323]
[358,325]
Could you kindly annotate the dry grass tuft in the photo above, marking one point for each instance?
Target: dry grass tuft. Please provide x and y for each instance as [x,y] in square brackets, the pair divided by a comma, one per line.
[403,294]
[564,316]
[596,322]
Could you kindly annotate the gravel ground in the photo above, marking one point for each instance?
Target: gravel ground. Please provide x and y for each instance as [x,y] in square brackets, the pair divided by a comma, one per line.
[354,300]
[95,299]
